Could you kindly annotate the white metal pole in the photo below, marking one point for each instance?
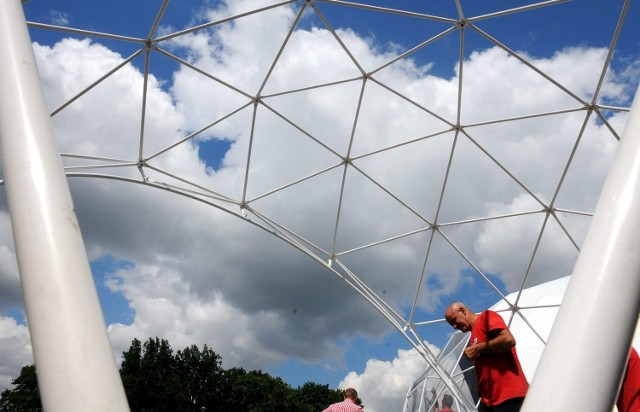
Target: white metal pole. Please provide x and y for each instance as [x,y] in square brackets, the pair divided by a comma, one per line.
[76,367]
[585,355]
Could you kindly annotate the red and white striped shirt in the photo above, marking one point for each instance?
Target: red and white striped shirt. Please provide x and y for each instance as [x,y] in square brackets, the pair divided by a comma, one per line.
[347,405]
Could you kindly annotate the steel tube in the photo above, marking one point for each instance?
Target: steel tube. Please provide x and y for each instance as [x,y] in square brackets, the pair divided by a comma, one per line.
[76,367]
[585,356]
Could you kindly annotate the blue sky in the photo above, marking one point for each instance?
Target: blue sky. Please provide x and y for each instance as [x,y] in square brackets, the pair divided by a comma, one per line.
[191,269]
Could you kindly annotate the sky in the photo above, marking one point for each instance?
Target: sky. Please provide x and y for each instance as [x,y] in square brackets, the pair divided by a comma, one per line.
[310,203]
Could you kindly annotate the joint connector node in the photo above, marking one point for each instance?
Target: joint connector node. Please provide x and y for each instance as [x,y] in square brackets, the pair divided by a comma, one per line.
[330,261]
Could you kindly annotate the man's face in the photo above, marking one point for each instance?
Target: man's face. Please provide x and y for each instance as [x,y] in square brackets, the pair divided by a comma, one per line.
[457,318]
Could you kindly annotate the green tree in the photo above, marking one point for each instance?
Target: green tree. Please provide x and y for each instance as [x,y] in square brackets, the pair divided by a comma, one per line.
[269,394]
[255,391]
[228,390]
[25,396]
[156,381]
[199,374]
[131,374]
[316,397]
[149,376]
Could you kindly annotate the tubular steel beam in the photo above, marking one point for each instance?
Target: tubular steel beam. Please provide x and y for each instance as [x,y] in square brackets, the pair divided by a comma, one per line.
[585,356]
[76,367]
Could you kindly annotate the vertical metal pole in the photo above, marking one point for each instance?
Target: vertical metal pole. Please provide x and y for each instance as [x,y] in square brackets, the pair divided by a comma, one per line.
[583,361]
[75,364]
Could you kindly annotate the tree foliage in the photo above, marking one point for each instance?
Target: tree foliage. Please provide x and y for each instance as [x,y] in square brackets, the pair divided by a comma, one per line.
[316,397]
[25,396]
[157,380]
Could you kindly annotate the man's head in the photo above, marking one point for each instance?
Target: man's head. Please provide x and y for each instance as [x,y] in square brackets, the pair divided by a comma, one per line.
[351,394]
[460,317]
[447,401]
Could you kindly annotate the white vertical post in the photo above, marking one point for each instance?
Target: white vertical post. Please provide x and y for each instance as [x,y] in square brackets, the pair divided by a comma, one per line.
[584,358]
[75,364]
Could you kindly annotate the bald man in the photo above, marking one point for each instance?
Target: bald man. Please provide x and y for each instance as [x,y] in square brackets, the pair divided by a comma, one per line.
[502,385]
[348,405]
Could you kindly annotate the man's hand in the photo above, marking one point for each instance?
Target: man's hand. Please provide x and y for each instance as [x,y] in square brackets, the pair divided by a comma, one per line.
[503,341]
[472,352]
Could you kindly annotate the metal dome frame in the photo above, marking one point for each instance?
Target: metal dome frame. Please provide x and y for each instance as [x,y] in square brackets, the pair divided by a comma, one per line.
[32,163]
